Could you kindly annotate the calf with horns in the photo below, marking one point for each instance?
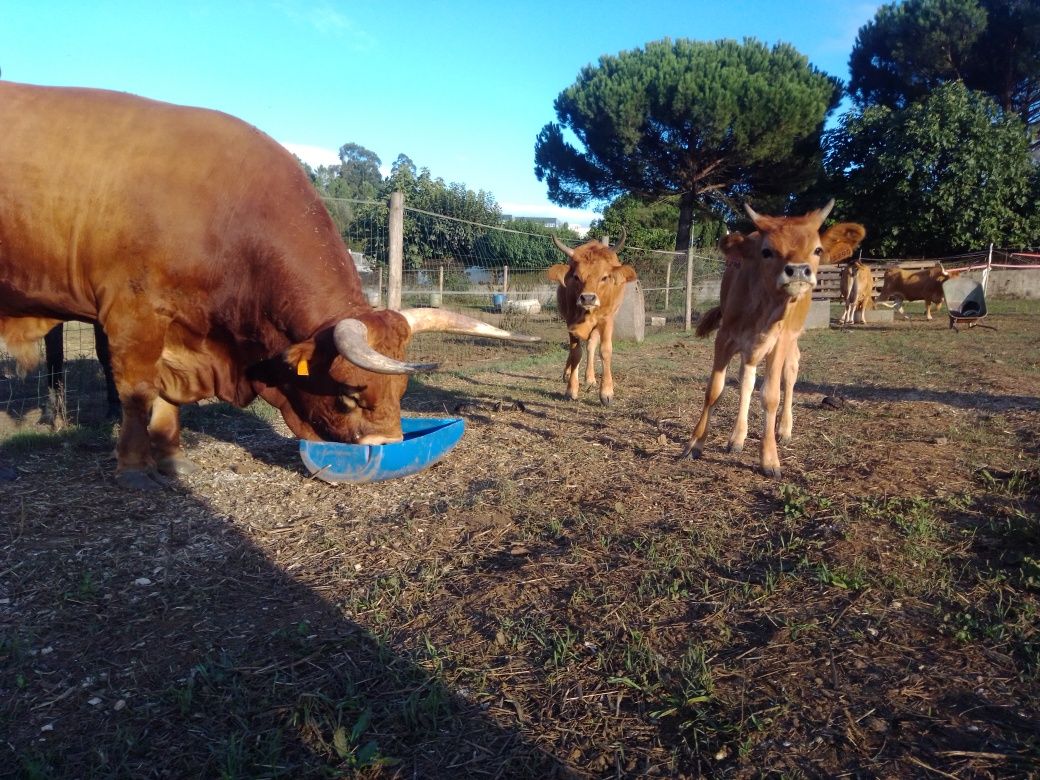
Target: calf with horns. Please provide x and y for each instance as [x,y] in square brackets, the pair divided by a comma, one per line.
[765,297]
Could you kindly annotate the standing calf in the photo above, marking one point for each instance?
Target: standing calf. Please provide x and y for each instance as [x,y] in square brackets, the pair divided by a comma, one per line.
[591,288]
[765,296]
[857,291]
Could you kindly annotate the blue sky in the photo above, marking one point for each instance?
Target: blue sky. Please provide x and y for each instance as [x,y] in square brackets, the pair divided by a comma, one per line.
[461,87]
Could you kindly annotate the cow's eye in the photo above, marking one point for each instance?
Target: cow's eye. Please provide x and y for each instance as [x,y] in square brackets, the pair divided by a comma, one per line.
[347,403]
[767,253]
[605,278]
[818,251]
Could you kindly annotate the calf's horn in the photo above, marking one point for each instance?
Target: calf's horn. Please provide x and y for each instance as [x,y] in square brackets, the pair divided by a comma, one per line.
[440,320]
[351,339]
[621,242]
[562,246]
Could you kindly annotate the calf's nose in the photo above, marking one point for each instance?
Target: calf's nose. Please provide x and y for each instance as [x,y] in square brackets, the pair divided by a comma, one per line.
[588,299]
[799,272]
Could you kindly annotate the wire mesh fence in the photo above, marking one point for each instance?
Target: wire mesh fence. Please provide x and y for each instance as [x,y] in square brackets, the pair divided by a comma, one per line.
[491,271]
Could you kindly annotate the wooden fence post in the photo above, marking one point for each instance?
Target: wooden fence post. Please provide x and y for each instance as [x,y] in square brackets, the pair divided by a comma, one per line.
[393,287]
[667,284]
[689,286]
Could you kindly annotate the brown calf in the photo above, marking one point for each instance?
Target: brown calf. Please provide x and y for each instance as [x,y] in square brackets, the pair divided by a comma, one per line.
[925,285]
[591,287]
[766,292]
[857,292]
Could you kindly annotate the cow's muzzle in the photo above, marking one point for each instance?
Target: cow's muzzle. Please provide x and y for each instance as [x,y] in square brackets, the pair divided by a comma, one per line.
[797,278]
[588,301]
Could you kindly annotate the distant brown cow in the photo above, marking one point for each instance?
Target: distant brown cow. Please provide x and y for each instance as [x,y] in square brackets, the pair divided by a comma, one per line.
[857,292]
[766,293]
[924,285]
[591,287]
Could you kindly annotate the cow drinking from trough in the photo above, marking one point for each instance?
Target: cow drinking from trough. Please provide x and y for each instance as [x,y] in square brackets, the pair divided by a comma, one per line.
[765,296]
[590,291]
[926,285]
[857,292]
[203,250]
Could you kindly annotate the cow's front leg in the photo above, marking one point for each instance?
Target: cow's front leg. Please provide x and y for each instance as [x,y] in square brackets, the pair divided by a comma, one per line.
[570,371]
[164,431]
[590,358]
[928,310]
[770,460]
[136,346]
[716,384]
[606,350]
[748,372]
[791,365]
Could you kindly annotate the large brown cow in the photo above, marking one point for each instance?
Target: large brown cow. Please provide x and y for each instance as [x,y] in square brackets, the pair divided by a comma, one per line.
[201,247]
[766,293]
[591,287]
[925,285]
[857,292]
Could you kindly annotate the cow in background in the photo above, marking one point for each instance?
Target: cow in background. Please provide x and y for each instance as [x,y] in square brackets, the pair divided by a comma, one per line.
[204,251]
[765,296]
[55,408]
[591,287]
[900,286]
[857,292]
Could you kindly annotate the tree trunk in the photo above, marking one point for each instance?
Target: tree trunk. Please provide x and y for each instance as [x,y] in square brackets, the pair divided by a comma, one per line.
[685,230]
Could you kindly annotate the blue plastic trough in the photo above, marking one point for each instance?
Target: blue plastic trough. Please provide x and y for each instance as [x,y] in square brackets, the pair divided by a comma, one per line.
[426,440]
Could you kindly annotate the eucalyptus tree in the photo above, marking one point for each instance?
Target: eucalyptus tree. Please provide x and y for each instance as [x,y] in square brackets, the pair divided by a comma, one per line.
[708,122]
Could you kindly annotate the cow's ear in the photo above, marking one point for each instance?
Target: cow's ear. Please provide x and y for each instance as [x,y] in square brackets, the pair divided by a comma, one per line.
[299,356]
[557,272]
[735,245]
[627,273]
[841,240]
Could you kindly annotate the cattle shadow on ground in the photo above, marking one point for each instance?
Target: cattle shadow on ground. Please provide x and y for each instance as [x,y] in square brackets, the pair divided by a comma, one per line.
[960,400]
[147,636]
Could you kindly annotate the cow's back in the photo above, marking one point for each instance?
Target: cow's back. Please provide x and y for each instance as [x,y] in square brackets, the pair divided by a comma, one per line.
[103,190]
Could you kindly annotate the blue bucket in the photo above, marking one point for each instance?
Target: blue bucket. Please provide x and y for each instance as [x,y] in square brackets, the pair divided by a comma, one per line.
[498,300]
[426,440]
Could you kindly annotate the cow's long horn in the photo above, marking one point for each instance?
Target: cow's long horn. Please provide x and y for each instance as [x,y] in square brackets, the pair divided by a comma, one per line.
[562,246]
[440,320]
[351,340]
[621,242]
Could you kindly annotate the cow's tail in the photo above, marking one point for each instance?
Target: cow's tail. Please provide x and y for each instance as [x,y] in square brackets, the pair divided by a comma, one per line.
[709,322]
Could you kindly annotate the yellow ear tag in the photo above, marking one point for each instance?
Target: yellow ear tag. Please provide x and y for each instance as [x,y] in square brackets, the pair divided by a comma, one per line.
[301,369]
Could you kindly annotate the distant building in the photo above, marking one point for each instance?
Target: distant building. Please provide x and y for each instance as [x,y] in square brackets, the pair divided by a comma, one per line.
[549,222]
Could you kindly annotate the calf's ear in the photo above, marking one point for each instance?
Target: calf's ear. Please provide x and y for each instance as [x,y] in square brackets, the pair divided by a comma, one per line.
[626,273]
[557,272]
[734,245]
[841,240]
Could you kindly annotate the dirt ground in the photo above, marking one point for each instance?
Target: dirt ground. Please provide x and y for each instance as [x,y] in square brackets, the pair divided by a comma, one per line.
[560,596]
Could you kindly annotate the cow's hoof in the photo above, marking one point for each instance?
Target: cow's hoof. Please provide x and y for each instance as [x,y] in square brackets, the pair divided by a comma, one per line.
[734,448]
[606,400]
[691,452]
[176,466]
[785,440]
[569,396]
[137,479]
[771,471]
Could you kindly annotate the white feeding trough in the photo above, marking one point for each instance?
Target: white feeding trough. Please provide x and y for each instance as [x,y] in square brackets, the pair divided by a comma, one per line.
[522,306]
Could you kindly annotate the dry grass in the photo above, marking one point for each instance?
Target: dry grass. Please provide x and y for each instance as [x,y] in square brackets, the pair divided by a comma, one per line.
[560,596]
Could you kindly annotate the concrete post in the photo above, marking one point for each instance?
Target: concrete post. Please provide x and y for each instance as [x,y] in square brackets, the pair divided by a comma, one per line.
[393,288]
